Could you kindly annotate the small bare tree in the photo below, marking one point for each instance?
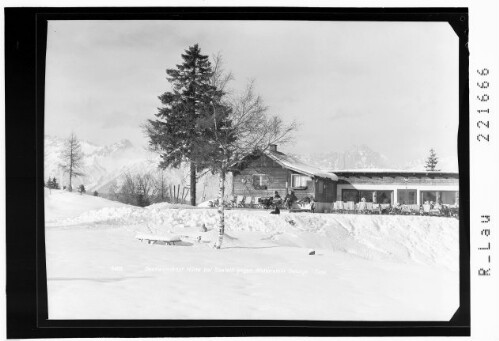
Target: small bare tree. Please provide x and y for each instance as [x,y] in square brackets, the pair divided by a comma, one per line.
[136,189]
[145,183]
[128,189]
[72,159]
[247,130]
[160,186]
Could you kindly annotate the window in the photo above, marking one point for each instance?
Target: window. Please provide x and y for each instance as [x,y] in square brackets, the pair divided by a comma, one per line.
[299,181]
[450,197]
[406,196]
[259,181]
[428,196]
[350,195]
[443,197]
[384,197]
[368,195]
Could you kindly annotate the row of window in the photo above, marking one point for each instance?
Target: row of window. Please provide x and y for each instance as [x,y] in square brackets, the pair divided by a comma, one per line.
[404,196]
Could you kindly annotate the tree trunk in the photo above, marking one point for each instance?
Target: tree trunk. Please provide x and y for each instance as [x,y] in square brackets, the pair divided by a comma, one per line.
[193,184]
[70,188]
[221,209]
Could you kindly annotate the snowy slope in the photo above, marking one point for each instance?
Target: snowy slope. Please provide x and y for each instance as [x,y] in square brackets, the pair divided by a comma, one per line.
[365,267]
[425,240]
[61,204]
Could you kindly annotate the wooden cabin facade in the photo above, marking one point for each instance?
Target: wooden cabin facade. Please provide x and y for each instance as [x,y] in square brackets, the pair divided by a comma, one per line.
[273,171]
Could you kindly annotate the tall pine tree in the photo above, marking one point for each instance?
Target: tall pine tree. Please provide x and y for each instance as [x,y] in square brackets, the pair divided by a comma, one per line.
[432,161]
[178,133]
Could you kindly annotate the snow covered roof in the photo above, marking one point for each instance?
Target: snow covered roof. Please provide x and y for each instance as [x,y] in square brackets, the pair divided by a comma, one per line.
[298,166]
[390,171]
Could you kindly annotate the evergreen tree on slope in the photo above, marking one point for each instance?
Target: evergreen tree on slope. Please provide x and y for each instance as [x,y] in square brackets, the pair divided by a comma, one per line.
[178,133]
[432,161]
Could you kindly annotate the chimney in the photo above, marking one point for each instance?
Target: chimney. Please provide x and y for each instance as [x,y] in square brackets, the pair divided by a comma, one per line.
[273,148]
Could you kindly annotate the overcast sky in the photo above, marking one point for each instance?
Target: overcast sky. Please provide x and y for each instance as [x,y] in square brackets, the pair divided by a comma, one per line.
[390,85]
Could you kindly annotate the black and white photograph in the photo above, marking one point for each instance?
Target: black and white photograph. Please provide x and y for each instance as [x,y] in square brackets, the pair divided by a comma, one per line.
[251,170]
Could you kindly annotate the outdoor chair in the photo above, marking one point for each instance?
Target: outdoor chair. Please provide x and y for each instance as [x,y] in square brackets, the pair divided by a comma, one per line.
[426,209]
[415,209]
[454,211]
[436,210]
[385,208]
[257,203]
[240,201]
[376,208]
[446,210]
[301,205]
[265,202]
[228,202]
[338,206]
[248,202]
[397,209]
[406,209]
[277,203]
[369,207]
[214,203]
[350,207]
[362,207]
[233,201]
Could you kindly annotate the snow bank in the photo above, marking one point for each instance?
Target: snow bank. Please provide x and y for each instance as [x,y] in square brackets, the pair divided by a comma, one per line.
[364,268]
[420,239]
[62,204]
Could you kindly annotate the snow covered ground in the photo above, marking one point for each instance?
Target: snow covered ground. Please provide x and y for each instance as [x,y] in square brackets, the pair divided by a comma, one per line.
[365,267]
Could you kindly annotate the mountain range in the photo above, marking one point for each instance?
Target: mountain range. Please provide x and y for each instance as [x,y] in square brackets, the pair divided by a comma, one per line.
[105,165]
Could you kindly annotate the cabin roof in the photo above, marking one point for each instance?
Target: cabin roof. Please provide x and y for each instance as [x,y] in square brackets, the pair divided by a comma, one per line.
[393,172]
[298,166]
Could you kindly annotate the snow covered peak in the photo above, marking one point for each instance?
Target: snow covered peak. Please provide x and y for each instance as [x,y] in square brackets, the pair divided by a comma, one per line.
[357,157]
[102,164]
[115,147]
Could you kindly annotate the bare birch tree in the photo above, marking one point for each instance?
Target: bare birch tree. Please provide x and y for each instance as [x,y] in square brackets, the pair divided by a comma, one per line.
[72,159]
[248,129]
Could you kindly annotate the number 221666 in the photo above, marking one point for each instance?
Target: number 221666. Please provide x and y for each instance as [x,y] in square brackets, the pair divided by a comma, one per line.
[483,124]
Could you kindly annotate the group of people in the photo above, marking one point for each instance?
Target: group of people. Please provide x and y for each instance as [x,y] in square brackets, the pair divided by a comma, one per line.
[288,201]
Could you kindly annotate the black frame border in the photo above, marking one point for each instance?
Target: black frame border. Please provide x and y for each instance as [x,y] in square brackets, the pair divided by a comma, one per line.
[25,52]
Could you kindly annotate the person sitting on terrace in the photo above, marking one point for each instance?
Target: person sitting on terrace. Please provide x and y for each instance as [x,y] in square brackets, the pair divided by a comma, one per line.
[277,200]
